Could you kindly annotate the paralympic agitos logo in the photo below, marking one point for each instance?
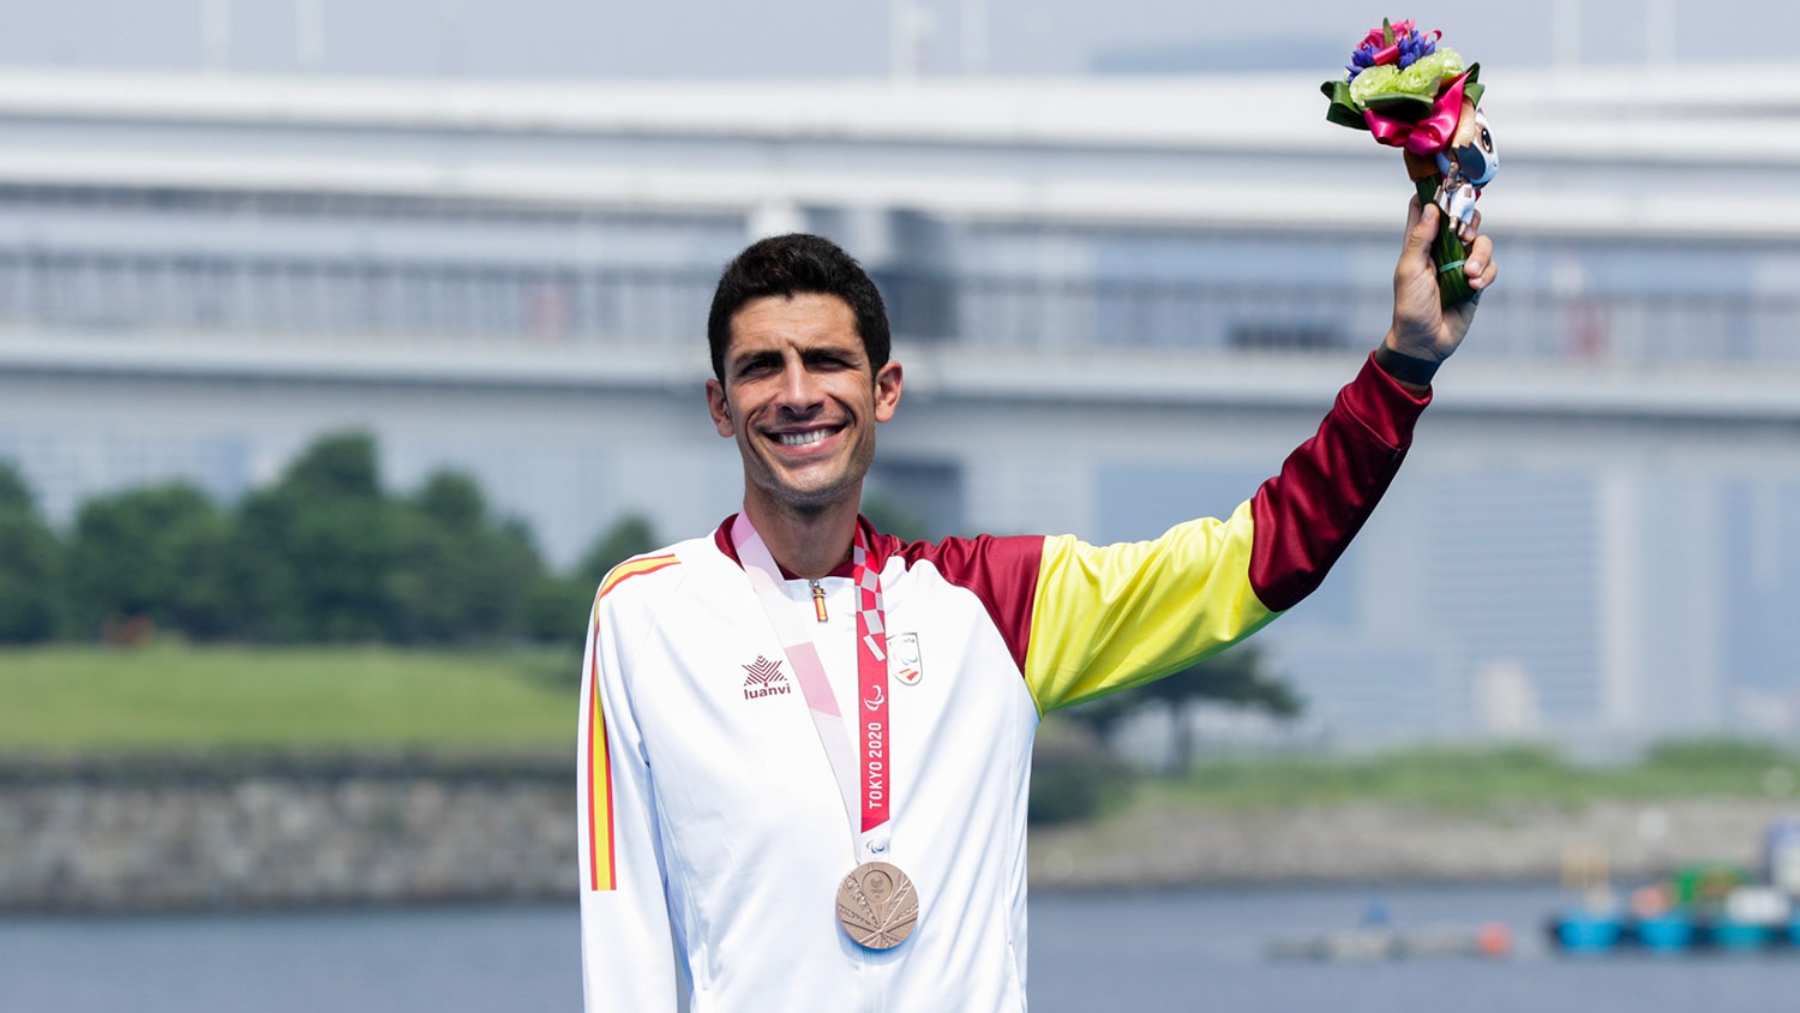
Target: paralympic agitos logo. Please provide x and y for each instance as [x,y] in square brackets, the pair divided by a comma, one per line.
[765,679]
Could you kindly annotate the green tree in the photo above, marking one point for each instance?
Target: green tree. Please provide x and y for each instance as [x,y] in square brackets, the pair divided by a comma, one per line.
[460,575]
[315,554]
[158,552]
[31,561]
[559,604]
[892,517]
[1072,776]
[263,579]
[1237,676]
[631,535]
[15,494]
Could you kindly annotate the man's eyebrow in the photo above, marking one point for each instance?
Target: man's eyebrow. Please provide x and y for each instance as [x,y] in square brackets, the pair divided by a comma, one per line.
[760,358]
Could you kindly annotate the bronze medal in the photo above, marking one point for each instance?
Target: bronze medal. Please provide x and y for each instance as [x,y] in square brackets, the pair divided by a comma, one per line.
[877,905]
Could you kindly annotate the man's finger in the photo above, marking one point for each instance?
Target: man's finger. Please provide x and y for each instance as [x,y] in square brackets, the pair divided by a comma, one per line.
[1479,262]
[1421,228]
[1488,274]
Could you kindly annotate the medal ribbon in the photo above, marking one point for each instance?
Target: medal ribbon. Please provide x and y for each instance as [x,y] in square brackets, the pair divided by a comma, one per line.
[866,798]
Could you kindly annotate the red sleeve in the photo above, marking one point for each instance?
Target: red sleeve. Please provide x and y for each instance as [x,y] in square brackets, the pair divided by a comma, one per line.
[1002,572]
[1306,515]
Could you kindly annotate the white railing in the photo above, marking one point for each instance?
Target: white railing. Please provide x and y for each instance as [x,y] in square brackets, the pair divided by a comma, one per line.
[251,296]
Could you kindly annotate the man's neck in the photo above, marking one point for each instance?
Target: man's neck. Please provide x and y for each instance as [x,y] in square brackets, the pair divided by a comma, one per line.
[808,544]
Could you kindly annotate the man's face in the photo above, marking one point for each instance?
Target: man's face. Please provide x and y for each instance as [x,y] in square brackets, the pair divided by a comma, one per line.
[800,400]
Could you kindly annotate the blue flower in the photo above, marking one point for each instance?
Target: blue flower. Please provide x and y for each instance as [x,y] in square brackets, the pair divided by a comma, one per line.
[1414,46]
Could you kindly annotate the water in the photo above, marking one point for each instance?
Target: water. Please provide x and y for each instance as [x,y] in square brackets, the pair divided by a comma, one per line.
[1202,951]
[469,960]
[1198,950]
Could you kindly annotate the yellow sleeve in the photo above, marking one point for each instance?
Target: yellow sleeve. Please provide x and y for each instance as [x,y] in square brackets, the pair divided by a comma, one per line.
[1110,617]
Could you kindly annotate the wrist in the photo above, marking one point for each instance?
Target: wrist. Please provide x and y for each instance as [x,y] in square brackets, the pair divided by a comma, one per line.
[1410,370]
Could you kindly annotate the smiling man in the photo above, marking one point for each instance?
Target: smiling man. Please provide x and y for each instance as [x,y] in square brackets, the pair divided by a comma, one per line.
[807,744]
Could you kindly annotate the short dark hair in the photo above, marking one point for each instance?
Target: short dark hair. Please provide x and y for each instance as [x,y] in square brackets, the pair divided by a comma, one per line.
[791,264]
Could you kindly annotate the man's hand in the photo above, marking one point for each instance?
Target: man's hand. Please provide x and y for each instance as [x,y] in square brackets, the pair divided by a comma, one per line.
[1422,328]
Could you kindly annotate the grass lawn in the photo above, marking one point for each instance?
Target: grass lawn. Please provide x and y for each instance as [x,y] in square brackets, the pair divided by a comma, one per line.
[170,697]
[1477,779]
[175,698]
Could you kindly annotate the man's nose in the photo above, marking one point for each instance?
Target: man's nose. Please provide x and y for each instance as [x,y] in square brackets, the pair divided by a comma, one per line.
[799,389]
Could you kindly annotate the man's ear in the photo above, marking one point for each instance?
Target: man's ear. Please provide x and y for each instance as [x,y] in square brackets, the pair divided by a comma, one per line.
[888,382]
[720,411]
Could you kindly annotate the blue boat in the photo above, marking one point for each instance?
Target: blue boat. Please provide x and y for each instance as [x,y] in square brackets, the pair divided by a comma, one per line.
[1710,906]
[1665,933]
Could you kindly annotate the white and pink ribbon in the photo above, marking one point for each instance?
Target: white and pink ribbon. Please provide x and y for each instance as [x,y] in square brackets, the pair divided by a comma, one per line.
[867,799]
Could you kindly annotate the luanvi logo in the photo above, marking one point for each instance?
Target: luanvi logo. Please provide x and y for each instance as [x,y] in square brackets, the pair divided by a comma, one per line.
[765,679]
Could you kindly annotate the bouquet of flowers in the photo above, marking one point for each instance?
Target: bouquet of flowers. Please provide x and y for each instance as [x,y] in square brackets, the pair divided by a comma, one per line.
[1414,94]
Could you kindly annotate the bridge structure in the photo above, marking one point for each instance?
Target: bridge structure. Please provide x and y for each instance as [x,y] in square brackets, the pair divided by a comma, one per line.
[1119,301]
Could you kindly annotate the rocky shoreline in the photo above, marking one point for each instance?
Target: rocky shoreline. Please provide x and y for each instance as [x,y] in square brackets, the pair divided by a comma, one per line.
[287,831]
[1382,842]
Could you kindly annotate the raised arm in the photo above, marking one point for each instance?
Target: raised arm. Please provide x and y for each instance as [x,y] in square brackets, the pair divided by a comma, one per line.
[1105,618]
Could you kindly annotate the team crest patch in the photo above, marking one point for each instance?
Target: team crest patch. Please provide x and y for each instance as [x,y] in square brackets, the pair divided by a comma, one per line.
[765,679]
[907,667]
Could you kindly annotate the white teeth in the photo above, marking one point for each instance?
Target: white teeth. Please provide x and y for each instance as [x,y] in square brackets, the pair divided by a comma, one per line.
[802,439]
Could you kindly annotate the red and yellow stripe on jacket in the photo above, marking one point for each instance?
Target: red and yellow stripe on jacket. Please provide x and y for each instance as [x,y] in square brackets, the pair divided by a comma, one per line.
[601,867]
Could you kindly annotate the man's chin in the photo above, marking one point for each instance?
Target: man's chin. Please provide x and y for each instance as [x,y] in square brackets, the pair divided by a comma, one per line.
[808,498]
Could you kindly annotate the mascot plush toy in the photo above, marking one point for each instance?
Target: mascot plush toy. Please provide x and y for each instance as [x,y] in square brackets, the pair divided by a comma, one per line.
[1413,94]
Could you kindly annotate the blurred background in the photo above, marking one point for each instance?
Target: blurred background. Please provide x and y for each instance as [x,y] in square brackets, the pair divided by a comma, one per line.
[343,347]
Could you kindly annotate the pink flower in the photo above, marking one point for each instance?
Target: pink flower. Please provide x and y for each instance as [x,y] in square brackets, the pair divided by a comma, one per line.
[1377,37]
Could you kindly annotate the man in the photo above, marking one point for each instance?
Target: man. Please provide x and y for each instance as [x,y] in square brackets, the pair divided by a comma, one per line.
[806,744]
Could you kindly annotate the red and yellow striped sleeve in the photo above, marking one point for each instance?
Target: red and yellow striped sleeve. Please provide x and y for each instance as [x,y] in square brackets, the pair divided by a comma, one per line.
[602,859]
[1105,618]
[636,567]
[626,939]
[602,871]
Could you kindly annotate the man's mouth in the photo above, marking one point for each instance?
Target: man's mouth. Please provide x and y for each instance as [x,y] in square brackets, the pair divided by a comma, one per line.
[804,437]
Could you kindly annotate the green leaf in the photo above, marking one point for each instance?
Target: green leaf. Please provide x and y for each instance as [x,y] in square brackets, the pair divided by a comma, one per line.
[1343,109]
[1473,89]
